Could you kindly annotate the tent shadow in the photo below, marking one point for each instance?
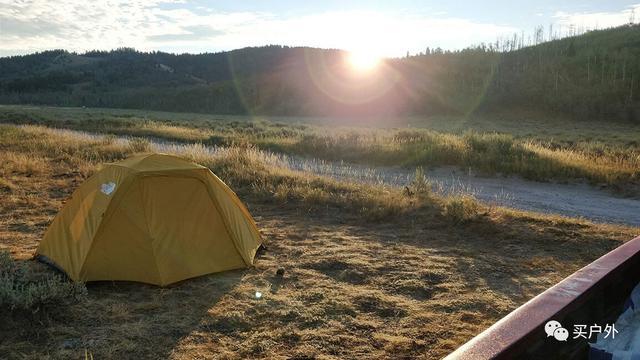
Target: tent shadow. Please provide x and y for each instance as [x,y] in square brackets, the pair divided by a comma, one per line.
[123,319]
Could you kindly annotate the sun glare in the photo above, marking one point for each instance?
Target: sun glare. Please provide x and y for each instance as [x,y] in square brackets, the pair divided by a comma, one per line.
[363,61]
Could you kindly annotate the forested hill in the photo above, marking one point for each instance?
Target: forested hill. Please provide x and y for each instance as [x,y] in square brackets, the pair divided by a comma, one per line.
[594,75]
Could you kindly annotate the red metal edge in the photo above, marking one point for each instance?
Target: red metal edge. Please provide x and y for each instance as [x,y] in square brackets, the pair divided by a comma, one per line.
[531,316]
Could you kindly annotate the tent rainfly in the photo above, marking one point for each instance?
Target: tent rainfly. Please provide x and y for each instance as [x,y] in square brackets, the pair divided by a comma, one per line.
[151,218]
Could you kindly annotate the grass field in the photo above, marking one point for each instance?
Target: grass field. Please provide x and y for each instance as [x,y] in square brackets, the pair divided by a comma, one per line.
[370,271]
[525,144]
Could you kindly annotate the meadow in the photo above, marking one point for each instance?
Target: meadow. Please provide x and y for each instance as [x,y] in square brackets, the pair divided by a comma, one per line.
[369,270]
[525,144]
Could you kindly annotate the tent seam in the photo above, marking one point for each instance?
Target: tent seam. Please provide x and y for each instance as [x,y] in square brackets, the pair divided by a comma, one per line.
[236,201]
[214,201]
[146,221]
[103,220]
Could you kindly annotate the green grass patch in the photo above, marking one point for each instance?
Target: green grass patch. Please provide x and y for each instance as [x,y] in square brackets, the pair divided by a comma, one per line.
[23,289]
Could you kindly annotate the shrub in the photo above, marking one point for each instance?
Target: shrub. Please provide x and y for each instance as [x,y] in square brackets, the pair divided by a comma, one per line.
[138,145]
[421,184]
[409,137]
[22,289]
[108,139]
[315,196]
[217,140]
[461,208]
[282,193]
[499,144]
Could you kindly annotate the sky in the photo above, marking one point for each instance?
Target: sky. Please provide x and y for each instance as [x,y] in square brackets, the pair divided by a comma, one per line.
[386,28]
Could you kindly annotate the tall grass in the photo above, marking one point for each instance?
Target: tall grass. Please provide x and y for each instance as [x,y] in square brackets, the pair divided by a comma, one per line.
[421,184]
[532,156]
[461,208]
[247,170]
[488,153]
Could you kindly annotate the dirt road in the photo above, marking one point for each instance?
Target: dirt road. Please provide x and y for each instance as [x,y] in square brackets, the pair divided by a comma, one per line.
[573,200]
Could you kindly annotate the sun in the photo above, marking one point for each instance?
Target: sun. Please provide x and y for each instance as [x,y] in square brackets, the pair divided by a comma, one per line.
[363,60]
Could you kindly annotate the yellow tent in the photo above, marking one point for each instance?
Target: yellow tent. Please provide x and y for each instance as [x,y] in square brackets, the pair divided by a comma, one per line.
[151,218]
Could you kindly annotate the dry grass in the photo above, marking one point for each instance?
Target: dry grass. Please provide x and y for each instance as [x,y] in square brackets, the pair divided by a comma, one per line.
[461,208]
[410,284]
[532,146]
[21,163]
[486,152]
[172,132]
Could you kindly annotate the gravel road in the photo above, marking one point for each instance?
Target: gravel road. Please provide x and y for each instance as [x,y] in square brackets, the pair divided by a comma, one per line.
[573,200]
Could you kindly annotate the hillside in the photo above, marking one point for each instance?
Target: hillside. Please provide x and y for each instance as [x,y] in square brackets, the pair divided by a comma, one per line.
[594,75]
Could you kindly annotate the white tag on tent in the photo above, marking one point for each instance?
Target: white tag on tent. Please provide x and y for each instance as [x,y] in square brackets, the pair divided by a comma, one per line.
[107,188]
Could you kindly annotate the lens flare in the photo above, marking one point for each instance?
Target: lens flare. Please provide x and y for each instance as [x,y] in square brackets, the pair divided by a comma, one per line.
[363,60]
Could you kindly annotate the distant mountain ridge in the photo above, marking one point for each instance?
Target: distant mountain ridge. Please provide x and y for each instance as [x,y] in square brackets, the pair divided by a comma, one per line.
[594,75]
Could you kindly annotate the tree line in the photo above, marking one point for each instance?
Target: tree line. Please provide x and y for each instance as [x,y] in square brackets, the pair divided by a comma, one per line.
[586,74]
